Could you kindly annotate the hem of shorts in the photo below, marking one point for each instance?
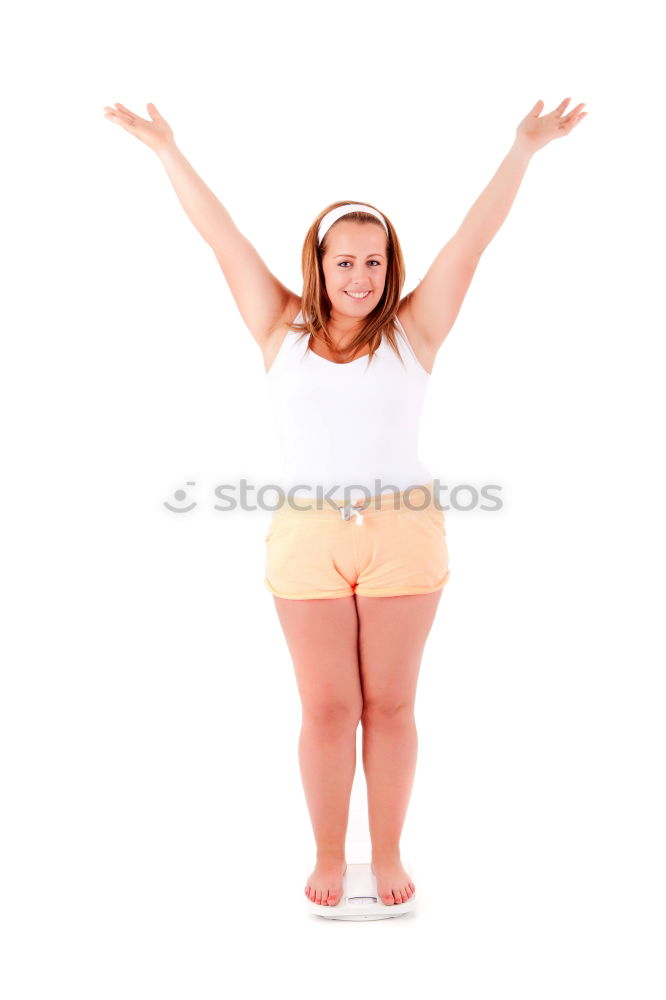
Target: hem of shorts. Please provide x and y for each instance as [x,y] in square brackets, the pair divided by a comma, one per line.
[399,592]
[403,591]
[309,597]
[362,592]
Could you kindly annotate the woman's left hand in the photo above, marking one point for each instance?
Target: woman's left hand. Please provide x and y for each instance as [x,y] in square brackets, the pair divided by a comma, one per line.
[534,132]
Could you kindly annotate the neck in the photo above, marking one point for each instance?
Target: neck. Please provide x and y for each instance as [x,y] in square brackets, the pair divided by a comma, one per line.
[342,329]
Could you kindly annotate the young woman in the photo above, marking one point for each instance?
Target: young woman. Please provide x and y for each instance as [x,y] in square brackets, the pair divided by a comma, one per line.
[356,582]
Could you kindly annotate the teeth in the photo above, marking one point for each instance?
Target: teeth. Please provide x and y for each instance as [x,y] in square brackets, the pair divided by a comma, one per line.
[358,295]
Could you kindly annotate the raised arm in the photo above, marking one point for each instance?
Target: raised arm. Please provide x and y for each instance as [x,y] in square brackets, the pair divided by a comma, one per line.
[432,307]
[261,298]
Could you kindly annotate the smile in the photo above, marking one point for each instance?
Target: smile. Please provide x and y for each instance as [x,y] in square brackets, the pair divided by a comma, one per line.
[358,295]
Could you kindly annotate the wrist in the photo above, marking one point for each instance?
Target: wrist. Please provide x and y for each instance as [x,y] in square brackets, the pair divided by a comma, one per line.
[167,152]
[521,151]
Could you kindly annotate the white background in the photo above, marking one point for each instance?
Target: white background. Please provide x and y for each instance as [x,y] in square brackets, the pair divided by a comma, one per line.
[156,841]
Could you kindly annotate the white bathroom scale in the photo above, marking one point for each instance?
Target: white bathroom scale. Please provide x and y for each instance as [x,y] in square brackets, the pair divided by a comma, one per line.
[359,900]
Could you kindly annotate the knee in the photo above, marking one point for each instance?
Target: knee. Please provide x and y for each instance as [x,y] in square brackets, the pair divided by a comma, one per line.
[387,711]
[332,714]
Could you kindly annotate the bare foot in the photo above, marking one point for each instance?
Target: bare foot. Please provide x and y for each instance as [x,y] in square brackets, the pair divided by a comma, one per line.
[393,883]
[325,882]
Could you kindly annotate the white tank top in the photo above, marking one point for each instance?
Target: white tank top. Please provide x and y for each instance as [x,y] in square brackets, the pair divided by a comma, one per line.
[350,424]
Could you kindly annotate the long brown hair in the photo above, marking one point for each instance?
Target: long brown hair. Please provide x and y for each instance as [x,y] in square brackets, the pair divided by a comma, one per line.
[316,305]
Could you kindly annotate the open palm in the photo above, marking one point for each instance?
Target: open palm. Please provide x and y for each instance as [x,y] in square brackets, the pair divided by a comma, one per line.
[156,133]
[535,132]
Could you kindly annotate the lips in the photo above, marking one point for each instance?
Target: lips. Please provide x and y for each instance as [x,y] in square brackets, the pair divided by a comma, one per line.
[359,298]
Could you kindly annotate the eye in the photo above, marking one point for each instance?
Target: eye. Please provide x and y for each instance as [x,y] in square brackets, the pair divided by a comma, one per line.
[377,262]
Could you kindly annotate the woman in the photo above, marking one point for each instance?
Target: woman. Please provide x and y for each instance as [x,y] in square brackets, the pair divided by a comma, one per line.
[356,582]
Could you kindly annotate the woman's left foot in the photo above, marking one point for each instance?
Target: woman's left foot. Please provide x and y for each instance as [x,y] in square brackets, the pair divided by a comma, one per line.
[393,883]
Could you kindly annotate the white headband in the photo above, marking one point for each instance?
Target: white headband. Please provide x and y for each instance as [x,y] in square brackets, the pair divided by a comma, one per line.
[337,213]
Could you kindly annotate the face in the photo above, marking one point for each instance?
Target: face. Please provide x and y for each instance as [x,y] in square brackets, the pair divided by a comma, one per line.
[355,261]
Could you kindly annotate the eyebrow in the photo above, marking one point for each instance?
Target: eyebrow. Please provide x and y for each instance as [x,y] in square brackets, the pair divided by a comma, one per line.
[352,255]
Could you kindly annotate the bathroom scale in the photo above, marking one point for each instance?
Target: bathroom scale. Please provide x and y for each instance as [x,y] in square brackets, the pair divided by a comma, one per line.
[359,900]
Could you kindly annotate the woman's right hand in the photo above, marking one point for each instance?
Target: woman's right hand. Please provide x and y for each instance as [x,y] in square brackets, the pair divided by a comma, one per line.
[156,133]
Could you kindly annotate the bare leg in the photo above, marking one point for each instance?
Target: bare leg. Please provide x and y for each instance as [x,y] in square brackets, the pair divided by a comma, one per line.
[392,636]
[322,636]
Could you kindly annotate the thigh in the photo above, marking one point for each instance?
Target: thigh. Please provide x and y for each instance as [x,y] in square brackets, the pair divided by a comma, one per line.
[309,558]
[392,636]
[322,636]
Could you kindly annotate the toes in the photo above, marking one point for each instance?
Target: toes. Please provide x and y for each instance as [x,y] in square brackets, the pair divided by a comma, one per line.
[396,896]
[321,896]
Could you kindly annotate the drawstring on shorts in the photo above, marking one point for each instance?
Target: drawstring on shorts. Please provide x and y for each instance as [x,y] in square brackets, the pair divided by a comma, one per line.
[348,509]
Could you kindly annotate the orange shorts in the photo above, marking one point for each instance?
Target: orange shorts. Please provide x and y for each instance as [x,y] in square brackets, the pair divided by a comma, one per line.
[316,550]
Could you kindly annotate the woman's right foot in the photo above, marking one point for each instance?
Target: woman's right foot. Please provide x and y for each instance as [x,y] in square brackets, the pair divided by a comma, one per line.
[324,885]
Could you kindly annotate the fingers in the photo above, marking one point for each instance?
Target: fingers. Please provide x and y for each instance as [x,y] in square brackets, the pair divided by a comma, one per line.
[573,117]
[124,110]
[134,117]
[122,115]
[114,116]
[125,119]
[570,123]
[574,113]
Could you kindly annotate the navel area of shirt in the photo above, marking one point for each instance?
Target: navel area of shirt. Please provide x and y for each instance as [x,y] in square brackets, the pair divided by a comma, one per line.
[342,426]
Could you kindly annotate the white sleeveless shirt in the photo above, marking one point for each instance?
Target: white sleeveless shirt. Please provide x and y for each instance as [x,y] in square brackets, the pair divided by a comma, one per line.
[349,424]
